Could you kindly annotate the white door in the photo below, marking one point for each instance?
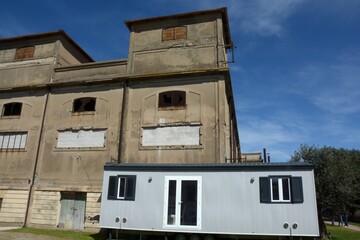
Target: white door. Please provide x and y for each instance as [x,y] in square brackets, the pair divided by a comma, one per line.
[182,208]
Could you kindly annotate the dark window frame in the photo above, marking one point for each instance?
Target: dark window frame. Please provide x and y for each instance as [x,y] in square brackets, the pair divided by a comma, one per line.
[175,99]
[295,191]
[12,109]
[84,104]
[129,187]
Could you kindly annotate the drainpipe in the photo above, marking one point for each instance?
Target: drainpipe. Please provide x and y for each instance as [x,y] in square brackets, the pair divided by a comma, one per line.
[122,119]
[36,159]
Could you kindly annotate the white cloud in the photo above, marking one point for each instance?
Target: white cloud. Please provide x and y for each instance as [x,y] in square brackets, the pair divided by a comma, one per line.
[263,17]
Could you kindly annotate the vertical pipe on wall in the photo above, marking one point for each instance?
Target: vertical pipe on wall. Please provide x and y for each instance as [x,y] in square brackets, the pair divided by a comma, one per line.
[122,120]
[36,158]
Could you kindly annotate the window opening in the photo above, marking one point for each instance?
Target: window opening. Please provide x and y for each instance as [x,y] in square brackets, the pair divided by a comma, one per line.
[25,52]
[12,109]
[281,189]
[172,99]
[174,33]
[1,200]
[86,104]
[122,187]
[13,141]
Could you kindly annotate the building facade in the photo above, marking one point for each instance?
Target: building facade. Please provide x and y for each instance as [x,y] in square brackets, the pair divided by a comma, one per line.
[64,115]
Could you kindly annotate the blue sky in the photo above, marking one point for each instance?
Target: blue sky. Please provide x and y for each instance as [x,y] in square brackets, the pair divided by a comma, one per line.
[296,78]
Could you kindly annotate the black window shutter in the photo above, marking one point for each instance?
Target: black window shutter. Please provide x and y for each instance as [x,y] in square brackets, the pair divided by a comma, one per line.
[112,187]
[130,187]
[297,190]
[265,195]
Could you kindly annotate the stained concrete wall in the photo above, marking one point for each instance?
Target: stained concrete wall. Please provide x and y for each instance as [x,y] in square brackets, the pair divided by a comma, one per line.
[79,169]
[202,49]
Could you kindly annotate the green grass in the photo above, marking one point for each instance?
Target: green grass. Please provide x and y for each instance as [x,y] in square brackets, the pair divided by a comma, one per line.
[70,235]
[341,233]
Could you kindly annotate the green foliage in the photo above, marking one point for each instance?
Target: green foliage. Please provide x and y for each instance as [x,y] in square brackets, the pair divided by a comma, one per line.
[340,233]
[337,176]
[71,235]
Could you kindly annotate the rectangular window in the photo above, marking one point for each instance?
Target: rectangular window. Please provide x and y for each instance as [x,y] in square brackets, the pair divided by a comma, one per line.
[81,139]
[13,140]
[122,187]
[1,200]
[281,189]
[25,52]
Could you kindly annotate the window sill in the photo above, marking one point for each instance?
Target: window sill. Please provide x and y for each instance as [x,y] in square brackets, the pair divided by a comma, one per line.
[171,147]
[82,113]
[82,149]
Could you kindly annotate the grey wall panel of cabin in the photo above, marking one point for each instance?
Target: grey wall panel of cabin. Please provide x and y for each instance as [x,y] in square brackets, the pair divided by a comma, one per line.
[230,204]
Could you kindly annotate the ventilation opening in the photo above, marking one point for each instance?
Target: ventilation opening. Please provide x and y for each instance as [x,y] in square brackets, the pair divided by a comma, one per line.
[84,104]
[25,52]
[12,109]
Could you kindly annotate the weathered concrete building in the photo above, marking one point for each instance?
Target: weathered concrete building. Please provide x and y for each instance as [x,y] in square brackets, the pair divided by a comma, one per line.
[64,115]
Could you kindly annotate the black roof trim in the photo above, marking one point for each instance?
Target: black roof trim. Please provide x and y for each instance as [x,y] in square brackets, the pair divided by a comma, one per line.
[240,167]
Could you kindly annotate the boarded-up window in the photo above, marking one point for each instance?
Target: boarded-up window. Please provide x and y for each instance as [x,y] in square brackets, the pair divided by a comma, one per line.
[25,52]
[81,139]
[171,136]
[172,99]
[12,109]
[174,33]
[86,104]
[13,140]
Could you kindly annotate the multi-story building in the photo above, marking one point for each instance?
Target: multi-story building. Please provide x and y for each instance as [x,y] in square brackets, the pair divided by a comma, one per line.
[63,115]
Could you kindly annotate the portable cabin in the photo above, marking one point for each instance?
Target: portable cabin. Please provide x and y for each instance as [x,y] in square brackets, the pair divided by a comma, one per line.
[258,200]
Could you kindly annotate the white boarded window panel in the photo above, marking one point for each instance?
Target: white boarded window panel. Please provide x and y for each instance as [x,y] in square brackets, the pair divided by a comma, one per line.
[81,139]
[13,140]
[171,136]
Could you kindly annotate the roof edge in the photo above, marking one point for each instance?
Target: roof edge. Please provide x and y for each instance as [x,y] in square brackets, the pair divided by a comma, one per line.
[222,11]
[49,34]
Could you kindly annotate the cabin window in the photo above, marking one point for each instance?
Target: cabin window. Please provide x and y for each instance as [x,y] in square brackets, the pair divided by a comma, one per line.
[174,33]
[172,99]
[281,189]
[122,187]
[12,141]
[25,52]
[12,109]
[85,104]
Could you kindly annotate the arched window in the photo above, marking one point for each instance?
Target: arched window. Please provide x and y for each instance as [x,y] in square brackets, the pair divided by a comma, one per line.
[12,109]
[172,99]
[85,104]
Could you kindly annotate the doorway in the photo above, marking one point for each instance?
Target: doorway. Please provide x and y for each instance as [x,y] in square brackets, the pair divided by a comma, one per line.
[72,214]
[182,208]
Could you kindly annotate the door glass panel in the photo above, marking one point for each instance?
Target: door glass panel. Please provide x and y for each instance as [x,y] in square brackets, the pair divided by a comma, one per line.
[188,203]
[171,203]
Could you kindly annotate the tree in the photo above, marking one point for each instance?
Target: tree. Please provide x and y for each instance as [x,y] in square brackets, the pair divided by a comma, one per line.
[337,176]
